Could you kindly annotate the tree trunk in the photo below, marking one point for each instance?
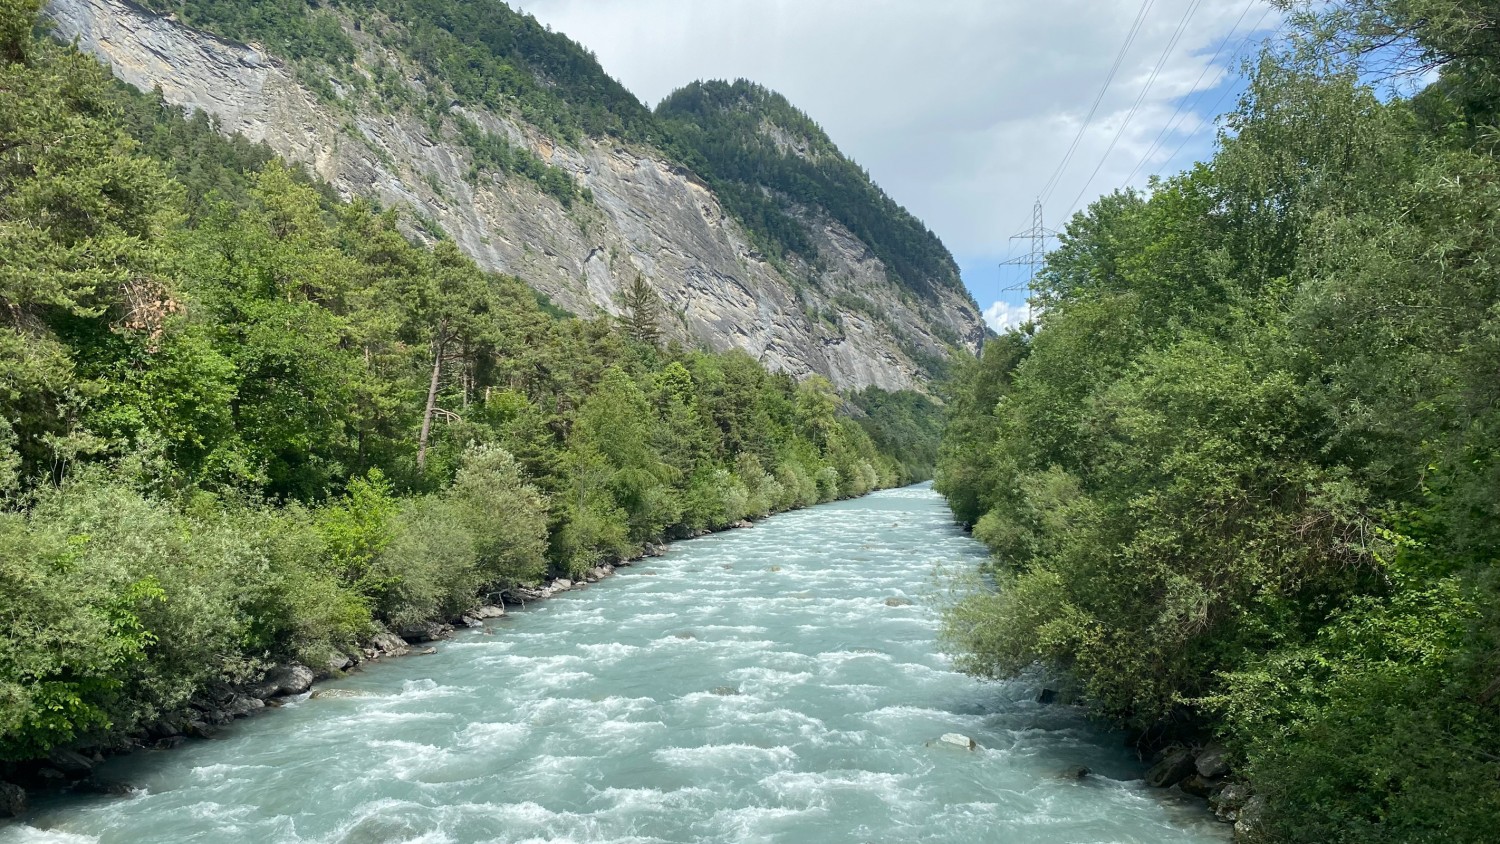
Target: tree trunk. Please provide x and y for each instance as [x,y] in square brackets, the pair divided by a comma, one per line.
[432,389]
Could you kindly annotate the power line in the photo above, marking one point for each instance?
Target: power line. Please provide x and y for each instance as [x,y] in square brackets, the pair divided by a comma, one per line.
[1109,79]
[1171,121]
[1213,110]
[1130,115]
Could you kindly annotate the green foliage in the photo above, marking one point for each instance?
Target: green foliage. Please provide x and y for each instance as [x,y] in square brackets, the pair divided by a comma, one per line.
[491,153]
[1243,475]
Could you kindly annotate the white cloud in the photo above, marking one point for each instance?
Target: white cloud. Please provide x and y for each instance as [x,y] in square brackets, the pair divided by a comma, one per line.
[960,109]
[1003,316]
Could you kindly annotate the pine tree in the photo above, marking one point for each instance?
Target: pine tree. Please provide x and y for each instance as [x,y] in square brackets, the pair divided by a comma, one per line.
[641,319]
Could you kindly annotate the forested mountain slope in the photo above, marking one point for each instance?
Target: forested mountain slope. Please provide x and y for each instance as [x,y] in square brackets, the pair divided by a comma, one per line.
[1242,481]
[480,125]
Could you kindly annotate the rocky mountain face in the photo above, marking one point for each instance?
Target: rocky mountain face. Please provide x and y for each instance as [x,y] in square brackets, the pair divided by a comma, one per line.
[833,307]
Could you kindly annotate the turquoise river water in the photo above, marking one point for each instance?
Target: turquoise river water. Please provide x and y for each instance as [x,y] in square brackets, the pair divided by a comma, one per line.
[751,686]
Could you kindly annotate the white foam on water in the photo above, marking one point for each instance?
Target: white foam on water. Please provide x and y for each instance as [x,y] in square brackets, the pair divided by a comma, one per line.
[492,735]
[723,756]
[814,786]
[31,835]
[608,652]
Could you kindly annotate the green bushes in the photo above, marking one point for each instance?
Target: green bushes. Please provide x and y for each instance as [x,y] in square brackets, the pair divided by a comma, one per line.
[1230,485]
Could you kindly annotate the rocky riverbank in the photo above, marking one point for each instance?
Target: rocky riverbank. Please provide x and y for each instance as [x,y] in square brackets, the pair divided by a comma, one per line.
[73,769]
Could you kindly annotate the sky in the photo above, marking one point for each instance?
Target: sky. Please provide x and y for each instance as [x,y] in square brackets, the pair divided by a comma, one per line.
[962,110]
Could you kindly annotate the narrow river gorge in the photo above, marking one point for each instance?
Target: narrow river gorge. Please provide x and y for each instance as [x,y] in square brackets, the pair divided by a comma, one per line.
[779,684]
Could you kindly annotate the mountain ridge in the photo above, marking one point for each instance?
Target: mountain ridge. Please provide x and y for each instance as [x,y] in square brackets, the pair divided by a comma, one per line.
[576,207]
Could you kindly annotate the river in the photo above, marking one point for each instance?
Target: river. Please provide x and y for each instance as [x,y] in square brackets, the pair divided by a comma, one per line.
[753,686]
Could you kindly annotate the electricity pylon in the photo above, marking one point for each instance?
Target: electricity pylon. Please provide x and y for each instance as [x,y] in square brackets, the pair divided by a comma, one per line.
[1034,257]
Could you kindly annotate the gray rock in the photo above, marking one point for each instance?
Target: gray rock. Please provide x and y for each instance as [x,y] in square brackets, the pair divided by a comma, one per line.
[489,611]
[898,602]
[244,705]
[428,632]
[1077,772]
[1175,766]
[339,663]
[169,742]
[12,800]
[387,643]
[1228,802]
[1201,786]
[291,679]
[562,584]
[743,523]
[1247,825]
[1213,761]
[959,740]
[427,652]
[71,763]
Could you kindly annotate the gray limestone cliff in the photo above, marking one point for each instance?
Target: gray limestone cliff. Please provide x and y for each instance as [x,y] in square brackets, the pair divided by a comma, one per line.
[841,316]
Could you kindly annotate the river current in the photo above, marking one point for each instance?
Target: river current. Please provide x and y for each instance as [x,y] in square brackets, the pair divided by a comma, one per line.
[761,685]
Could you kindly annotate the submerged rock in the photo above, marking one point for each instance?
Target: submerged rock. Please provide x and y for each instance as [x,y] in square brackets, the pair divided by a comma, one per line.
[897,601]
[1047,696]
[107,787]
[774,568]
[334,694]
[726,691]
[1077,772]
[959,740]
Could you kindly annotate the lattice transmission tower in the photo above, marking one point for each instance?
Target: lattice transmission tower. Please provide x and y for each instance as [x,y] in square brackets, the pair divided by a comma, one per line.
[1035,255]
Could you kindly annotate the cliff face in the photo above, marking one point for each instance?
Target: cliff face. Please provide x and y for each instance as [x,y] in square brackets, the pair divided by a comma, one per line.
[646,214]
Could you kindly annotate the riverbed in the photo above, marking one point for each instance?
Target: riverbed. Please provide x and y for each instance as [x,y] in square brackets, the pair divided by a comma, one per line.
[775,684]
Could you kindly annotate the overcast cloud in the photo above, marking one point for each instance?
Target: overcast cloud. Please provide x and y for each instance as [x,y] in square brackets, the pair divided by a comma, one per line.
[960,109]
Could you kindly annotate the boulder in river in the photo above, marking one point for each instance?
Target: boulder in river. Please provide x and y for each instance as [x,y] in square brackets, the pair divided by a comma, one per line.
[488,611]
[896,601]
[1175,766]
[1047,696]
[743,523]
[100,785]
[959,740]
[386,643]
[429,631]
[1077,772]
[291,679]
[12,800]
[244,705]
[562,584]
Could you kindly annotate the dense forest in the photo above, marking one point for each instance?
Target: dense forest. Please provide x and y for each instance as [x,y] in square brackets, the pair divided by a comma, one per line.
[242,422]
[1242,478]
[745,140]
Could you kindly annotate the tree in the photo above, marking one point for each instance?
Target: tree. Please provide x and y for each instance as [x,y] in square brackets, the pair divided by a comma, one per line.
[642,317]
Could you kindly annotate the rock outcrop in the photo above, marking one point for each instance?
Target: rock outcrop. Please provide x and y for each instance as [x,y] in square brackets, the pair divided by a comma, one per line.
[647,215]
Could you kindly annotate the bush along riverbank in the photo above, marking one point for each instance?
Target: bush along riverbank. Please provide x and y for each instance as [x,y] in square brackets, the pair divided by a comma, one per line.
[1241,480]
[248,431]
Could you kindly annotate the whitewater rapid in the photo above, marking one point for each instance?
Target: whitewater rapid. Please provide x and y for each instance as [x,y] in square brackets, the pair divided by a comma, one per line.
[763,685]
